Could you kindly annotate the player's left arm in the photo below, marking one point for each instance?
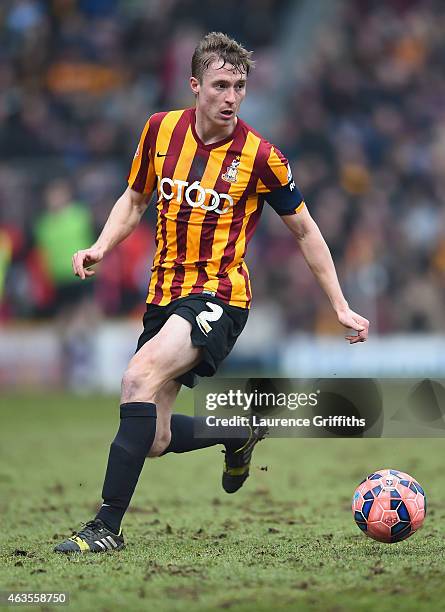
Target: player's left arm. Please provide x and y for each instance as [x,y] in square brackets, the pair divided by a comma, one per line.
[319,259]
[280,191]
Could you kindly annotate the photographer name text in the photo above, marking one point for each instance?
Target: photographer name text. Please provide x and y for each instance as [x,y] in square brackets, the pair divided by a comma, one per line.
[316,421]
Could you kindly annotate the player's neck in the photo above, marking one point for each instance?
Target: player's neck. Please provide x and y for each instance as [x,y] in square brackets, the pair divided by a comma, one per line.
[209,132]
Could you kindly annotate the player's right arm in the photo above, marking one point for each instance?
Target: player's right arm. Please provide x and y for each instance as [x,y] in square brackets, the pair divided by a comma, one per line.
[124,217]
[128,210]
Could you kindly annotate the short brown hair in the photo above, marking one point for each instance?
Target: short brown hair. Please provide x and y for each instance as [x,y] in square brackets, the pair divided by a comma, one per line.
[217,45]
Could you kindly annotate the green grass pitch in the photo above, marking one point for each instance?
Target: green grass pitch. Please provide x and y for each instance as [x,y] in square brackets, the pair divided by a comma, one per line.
[286,541]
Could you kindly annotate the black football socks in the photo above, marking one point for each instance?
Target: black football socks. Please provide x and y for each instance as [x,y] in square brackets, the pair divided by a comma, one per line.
[183,438]
[128,451]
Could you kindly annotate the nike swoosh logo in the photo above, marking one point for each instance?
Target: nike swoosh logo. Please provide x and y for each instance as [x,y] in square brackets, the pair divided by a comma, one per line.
[162,154]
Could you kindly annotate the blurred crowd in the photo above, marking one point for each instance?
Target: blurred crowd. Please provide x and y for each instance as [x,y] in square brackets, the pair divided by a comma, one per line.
[364,130]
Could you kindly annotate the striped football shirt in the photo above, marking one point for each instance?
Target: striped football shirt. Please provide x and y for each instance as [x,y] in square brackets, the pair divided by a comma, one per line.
[209,201]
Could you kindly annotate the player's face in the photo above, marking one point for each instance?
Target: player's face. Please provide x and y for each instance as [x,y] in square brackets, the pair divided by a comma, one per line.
[220,93]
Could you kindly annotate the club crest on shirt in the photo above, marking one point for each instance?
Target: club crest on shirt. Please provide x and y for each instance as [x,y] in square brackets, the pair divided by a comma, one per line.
[231,174]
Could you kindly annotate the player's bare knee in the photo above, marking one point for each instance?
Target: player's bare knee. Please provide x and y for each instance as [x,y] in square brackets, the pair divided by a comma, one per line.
[140,383]
[133,384]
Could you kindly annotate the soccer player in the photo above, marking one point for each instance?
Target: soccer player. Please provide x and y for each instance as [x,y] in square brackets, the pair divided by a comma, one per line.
[212,174]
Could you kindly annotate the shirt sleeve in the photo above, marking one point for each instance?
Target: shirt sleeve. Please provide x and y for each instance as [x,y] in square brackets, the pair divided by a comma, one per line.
[142,177]
[277,184]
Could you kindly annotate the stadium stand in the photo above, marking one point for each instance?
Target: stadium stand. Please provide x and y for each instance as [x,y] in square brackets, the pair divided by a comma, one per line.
[362,127]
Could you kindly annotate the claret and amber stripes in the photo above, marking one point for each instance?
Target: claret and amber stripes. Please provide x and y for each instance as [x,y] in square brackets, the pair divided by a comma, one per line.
[214,230]
[204,221]
[170,141]
[142,177]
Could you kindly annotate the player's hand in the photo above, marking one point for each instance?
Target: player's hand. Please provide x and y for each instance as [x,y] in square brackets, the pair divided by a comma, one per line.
[82,260]
[351,320]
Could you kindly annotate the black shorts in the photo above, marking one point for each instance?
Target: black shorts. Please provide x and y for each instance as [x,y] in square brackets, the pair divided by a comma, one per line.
[215,328]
